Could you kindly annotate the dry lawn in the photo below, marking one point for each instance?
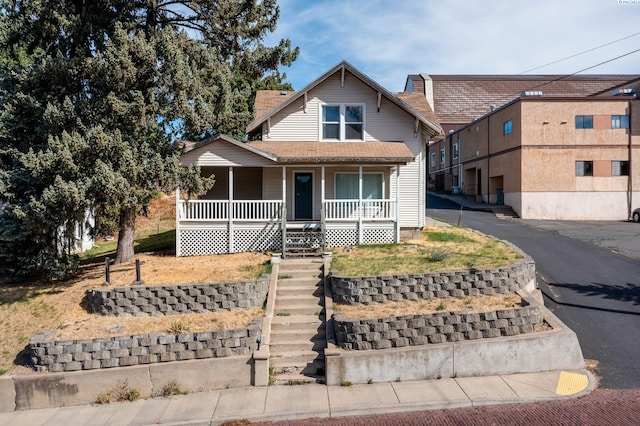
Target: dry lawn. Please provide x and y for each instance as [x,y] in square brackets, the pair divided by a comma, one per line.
[421,307]
[438,249]
[26,310]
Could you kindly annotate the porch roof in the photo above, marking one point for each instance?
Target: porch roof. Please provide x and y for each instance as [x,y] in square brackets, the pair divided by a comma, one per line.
[336,152]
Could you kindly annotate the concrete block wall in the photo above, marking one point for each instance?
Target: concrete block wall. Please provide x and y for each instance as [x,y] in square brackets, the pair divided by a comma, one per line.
[178,299]
[442,327]
[437,285]
[74,355]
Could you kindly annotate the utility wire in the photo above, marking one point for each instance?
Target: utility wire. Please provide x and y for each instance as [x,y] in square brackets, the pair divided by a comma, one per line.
[580,53]
[547,82]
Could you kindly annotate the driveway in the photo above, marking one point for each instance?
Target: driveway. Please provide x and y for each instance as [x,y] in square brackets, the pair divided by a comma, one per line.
[618,236]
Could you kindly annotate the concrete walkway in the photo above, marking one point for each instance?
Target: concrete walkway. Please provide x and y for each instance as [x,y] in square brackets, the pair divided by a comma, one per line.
[314,400]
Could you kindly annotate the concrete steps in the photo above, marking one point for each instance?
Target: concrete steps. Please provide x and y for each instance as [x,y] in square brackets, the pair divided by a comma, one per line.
[298,336]
[504,212]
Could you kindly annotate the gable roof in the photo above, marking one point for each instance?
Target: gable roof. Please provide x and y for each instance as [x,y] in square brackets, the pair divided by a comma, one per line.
[459,99]
[344,65]
[190,146]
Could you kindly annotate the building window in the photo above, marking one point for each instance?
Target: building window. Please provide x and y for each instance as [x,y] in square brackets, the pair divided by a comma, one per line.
[619,168]
[433,159]
[455,151]
[343,122]
[442,156]
[619,121]
[507,127]
[584,121]
[584,168]
[347,186]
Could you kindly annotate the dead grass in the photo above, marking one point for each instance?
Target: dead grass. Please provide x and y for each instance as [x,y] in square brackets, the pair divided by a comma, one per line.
[421,307]
[28,309]
[438,249]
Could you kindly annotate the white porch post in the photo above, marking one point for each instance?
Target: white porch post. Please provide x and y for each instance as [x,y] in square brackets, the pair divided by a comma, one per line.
[283,212]
[178,214]
[230,212]
[398,203]
[360,209]
[322,209]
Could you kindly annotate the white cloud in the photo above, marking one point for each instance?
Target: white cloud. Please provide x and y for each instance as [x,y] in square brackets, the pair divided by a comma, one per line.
[388,39]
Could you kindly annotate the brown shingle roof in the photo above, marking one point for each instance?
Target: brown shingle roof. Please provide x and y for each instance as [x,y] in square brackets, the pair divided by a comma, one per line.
[418,102]
[336,152]
[459,99]
[267,99]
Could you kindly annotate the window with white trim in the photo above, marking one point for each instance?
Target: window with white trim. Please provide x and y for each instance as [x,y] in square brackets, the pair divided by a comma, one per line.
[442,156]
[346,186]
[343,122]
[433,159]
[455,151]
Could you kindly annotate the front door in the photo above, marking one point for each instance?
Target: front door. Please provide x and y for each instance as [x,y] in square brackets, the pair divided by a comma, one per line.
[303,196]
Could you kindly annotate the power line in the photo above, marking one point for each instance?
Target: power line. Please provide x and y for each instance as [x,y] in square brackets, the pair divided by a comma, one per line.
[547,82]
[581,53]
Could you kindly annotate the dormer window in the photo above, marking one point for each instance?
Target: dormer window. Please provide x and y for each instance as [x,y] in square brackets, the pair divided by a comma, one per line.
[343,122]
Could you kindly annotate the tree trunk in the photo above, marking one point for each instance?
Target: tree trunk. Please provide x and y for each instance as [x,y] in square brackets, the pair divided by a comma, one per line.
[124,252]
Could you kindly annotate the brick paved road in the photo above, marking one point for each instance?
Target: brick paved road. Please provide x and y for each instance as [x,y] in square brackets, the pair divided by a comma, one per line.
[601,407]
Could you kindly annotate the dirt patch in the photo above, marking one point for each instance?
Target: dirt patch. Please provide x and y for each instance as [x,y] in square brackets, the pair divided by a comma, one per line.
[476,304]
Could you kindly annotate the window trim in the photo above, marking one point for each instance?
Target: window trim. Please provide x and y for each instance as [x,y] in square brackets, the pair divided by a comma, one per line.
[342,123]
[433,159]
[456,151]
[443,156]
[507,127]
[335,183]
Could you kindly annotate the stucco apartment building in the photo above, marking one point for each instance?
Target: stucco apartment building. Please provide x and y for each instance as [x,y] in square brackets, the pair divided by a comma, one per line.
[562,148]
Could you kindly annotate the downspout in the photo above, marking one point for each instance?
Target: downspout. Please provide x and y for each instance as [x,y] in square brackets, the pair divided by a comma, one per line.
[630,177]
[488,154]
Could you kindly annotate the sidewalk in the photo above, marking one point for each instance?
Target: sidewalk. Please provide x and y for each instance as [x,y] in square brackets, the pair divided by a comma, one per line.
[315,400]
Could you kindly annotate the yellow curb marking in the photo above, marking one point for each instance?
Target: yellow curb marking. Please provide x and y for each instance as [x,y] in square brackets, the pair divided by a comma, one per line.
[571,383]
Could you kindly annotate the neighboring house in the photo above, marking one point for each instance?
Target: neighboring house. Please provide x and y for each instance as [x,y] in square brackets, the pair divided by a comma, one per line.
[338,163]
[557,158]
[457,100]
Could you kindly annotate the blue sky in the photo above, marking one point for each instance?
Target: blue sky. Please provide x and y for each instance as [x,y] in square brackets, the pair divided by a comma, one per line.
[389,39]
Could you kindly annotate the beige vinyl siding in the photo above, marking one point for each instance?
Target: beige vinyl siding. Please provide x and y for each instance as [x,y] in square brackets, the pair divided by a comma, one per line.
[293,124]
[225,154]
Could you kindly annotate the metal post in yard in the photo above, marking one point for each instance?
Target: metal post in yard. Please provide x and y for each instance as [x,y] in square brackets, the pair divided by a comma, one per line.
[138,281]
[106,271]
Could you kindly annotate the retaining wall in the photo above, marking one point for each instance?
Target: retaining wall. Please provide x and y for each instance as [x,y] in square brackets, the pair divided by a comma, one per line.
[442,327]
[73,355]
[178,299]
[442,285]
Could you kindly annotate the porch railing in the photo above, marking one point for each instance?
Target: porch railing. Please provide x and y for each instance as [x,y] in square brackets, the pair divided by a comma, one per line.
[218,210]
[271,210]
[355,209]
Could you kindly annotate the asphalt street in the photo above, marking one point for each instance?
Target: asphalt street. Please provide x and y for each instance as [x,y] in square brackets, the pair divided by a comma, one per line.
[590,284]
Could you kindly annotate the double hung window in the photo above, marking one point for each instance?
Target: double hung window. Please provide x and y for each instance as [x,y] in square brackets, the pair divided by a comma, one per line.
[343,122]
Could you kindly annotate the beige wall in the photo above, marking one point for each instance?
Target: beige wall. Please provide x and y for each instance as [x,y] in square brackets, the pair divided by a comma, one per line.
[538,159]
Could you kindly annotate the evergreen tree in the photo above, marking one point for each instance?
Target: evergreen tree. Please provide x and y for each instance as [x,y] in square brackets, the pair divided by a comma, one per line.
[95,96]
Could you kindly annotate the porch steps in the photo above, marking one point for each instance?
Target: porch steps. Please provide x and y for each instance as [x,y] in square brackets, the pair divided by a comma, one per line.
[504,212]
[298,336]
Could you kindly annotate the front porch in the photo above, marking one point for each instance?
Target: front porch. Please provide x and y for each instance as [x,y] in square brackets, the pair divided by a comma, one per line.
[303,220]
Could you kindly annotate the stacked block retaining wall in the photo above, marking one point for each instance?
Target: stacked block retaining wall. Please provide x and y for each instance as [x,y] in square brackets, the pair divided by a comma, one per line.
[73,355]
[394,288]
[442,327]
[178,299]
